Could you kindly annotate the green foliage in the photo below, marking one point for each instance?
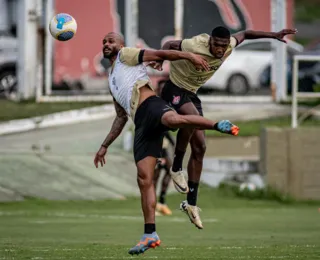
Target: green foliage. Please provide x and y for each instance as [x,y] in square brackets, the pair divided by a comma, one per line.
[267,193]
[307,11]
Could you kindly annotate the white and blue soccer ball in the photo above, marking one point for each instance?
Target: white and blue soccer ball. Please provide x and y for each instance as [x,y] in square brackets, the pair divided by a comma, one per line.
[63,27]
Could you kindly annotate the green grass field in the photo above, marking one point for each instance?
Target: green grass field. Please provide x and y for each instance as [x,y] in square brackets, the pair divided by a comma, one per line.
[234,229]
[253,127]
[10,110]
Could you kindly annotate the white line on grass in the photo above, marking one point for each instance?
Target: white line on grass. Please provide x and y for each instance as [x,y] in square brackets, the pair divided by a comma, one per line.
[46,249]
[162,257]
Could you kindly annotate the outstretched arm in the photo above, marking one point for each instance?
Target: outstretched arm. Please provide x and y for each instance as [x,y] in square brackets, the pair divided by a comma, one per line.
[160,55]
[168,45]
[134,56]
[116,129]
[251,35]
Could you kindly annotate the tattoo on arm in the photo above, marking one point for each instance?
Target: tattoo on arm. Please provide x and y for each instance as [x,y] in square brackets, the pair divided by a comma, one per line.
[117,126]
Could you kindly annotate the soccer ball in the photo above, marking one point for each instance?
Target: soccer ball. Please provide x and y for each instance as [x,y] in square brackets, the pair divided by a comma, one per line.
[63,27]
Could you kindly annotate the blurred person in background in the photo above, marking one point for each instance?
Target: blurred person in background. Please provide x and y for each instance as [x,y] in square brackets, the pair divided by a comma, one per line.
[164,163]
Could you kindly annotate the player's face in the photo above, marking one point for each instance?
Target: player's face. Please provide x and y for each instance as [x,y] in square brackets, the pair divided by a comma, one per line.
[110,46]
[218,46]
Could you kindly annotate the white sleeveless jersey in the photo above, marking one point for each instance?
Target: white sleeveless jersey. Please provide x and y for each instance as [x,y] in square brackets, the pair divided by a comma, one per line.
[124,76]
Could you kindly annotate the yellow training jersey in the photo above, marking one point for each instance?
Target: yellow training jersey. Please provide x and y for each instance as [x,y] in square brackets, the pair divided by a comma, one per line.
[184,74]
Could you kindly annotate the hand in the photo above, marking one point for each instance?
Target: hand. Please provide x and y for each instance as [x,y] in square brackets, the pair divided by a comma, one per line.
[157,65]
[199,62]
[281,34]
[100,157]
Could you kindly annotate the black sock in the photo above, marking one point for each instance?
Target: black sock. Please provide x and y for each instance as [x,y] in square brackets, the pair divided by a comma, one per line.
[177,161]
[149,228]
[193,193]
[162,198]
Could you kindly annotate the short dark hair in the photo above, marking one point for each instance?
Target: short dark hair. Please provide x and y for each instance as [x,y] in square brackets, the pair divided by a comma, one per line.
[220,32]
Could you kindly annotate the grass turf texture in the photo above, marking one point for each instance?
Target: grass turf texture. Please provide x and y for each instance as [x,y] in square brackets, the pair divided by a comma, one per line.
[253,128]
[234,228]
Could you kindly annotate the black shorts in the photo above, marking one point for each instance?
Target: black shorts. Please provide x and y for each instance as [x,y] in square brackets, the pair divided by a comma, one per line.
[164,153]
[177,97]
[149,130]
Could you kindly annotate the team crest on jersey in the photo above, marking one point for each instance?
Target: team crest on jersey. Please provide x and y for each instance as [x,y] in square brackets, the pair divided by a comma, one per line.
[176,100]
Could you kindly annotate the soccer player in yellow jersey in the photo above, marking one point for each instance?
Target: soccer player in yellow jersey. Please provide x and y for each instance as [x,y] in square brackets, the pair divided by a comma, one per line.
[180,91]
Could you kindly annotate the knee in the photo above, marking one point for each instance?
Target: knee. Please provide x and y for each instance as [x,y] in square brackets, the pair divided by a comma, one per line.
[198,151]
[144,179]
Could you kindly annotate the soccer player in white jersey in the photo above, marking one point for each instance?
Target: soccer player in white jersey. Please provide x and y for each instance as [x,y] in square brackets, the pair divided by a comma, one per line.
[134,96]
[180,92]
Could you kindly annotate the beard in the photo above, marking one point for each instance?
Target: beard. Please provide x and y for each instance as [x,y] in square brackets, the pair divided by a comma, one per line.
[107,55]
[110,54]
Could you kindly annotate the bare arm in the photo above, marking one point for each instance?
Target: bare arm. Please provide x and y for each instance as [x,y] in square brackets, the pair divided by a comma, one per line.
[160,55]
[251,35]
[168,45]
[116,129]
[117,126]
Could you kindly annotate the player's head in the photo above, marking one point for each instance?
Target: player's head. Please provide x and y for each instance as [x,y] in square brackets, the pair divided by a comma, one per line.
[219,41]
[111,44]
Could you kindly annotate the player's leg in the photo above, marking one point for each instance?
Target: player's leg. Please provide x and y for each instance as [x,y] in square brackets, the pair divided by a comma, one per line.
[150,238]
[156,174]
[179,99]
[162,207]
[147,190]
[147,147]
[166,179]
[157,171]
[183,139]
[198,149]
[177,174]
[174,120]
